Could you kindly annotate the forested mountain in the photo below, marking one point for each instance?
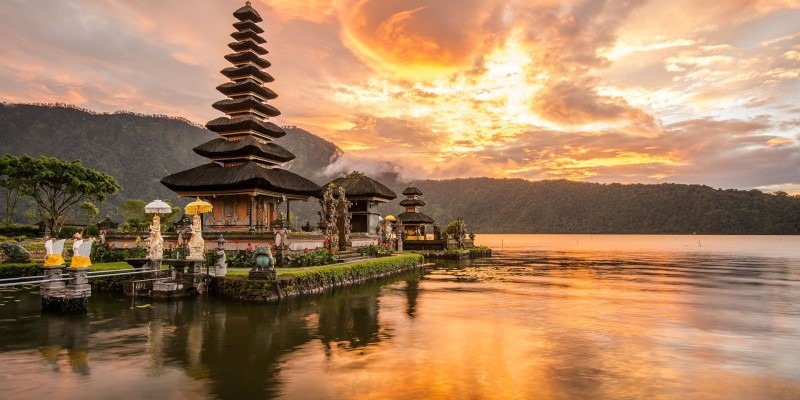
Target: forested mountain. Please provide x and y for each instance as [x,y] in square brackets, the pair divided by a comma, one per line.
[519,206]
[139,150]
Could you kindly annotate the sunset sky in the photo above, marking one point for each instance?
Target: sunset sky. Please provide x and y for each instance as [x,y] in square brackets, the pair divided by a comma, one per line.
[684,91]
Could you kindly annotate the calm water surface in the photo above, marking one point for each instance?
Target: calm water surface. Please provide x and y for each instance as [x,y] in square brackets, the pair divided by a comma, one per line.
[549,316]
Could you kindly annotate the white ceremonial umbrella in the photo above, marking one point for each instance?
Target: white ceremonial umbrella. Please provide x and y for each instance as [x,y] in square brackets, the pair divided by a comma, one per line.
[157,207]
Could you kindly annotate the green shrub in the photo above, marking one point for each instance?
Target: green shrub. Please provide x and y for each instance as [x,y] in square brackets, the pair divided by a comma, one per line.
[19,270]
[68,231]
[92,230]
[107,254]
[241,258]
[375,251]
[311,258]
[30,231]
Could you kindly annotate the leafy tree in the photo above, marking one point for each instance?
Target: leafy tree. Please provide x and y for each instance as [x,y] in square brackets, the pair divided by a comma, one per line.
[11,194]
[89,211]
[56,186]
[133,210]
[451,228]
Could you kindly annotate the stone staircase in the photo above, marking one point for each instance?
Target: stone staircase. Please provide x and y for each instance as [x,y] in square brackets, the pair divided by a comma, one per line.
[350,256]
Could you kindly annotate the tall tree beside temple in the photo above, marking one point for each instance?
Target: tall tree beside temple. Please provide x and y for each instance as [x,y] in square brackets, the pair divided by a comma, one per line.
[245,181]
[56,186]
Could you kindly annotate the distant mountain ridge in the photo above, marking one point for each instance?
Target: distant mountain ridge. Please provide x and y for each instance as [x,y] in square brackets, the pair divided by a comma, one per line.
[561,206]
[139,150]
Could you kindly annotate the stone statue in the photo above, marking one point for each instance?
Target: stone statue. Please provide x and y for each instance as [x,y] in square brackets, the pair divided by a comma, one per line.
[400,233]
[343,220]
[102,236]
[221,267]
[437,232]
[387,232]
[331,231]
[156,249]
[264,259]
[15,253]
[54,252]
[196,243]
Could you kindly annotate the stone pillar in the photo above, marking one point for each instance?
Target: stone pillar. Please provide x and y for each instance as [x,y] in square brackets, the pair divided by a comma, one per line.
[399,231]
[75,295]
[155,266]
[50,273]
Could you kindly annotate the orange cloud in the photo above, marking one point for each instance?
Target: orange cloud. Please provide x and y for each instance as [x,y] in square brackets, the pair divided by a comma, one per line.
[416,39]
[629,90]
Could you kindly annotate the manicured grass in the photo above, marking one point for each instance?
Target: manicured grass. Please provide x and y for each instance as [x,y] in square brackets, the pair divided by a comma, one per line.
[110,266]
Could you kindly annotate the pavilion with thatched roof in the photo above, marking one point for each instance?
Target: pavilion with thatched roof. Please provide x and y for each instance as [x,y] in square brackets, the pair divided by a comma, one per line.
[244,181]
[414,221]
[364,194]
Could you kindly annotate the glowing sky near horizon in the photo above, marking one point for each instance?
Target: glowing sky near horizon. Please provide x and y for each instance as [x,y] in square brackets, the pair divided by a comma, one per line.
[700,91]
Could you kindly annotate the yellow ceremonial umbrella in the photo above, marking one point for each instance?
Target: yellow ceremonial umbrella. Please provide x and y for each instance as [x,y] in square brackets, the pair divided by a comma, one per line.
[198,207]
[390,218]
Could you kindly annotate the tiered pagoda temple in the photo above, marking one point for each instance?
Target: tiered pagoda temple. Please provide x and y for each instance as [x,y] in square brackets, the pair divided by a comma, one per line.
[244,181]
[364,194]
[413,220]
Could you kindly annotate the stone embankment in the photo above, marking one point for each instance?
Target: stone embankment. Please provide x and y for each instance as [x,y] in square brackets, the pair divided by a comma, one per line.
[298,282]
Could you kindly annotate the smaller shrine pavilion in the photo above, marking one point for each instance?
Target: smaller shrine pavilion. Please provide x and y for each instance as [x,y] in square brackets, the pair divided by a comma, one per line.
[364,194]
[413,220]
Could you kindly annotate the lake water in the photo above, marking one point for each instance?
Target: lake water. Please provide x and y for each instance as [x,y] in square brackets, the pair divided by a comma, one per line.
[549,316]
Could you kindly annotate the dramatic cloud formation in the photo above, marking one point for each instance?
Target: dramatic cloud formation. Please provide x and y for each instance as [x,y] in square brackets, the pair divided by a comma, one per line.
[687,91]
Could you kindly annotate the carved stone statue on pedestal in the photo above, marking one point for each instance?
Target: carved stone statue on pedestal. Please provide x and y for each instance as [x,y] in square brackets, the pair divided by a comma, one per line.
[196,243]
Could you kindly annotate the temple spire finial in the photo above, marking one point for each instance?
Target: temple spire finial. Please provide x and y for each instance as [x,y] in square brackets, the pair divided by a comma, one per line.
[247,4]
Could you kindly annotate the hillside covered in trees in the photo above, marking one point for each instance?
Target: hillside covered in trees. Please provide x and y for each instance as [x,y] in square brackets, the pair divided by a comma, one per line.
[519,206]
[138,150]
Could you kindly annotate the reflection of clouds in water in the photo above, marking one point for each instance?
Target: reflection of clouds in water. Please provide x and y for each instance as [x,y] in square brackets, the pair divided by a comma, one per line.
[553,320]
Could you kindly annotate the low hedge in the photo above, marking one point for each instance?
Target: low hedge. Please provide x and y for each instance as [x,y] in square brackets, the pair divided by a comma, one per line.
[30,231]
[20,270]
[313,280]
[481,251]
[100,283]
[475,252]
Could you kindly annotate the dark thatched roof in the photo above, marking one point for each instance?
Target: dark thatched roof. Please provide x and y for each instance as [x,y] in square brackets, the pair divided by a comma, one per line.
[245,25]
[241,35]
[412,190]
[412,203]
[246,86]
[245,71]
[215,178]
[247,44]
[247,56]
[246,103]
[223,125]
[248,146]
[247,13]
[363,186]
[414,218]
